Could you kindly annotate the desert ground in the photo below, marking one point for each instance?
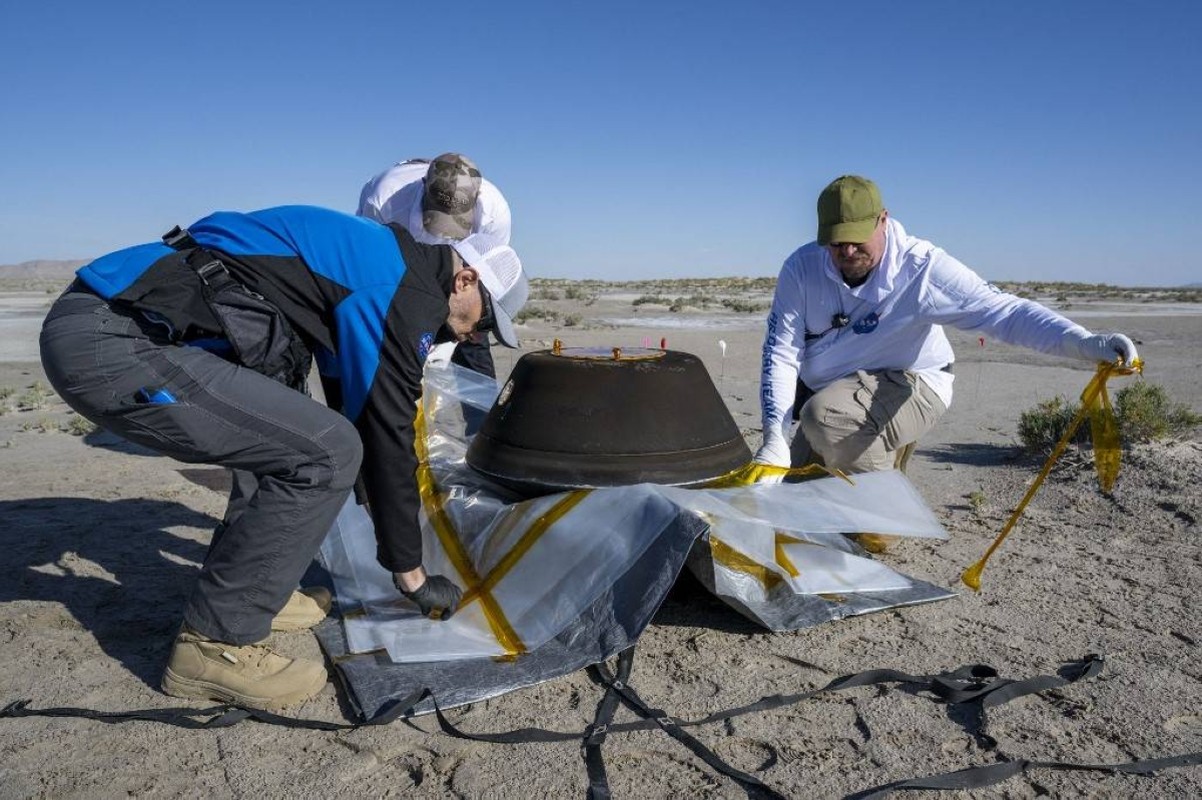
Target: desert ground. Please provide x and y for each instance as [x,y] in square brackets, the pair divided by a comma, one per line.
[100,540]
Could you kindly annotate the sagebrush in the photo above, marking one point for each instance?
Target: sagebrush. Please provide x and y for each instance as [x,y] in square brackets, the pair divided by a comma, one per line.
[1143,410]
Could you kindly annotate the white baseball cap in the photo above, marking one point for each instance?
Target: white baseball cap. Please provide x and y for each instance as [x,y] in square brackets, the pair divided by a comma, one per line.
[501,273]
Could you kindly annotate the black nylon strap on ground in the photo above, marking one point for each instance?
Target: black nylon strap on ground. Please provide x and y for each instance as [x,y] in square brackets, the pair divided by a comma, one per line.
[754,787]
[594,735]
[970,684]
[959,686]
[990,774]
[963,685]
[213,717]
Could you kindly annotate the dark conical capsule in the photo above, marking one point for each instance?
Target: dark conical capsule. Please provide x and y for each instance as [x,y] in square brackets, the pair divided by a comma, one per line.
[580,417]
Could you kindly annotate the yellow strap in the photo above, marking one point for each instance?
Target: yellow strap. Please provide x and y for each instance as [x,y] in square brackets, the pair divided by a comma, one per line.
[754,472]
[1104,430]
[731,558]
[435,505]
[1095,403]
[782,558]
[523,545]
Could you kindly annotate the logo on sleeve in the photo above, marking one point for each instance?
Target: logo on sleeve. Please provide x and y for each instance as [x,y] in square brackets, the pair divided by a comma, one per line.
[868,324]
[424,345]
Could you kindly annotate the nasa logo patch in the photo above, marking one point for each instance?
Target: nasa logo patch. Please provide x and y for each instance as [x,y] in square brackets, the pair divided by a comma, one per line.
[868,324]
[424,345]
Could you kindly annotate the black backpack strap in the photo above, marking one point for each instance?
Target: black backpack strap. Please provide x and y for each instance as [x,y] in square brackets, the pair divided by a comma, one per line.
[213,273]
[179,239]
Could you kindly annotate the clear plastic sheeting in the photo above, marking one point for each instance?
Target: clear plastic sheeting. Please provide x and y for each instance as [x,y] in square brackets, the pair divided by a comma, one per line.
[531,568]
[609,625]
[536,565]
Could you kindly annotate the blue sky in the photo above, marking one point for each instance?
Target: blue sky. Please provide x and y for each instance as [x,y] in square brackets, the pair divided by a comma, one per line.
[1032,140]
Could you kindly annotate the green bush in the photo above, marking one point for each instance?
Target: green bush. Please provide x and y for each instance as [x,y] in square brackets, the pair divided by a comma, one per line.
[1143,411]
[1146,413]
[535,312]
[744,306]
[1040,428]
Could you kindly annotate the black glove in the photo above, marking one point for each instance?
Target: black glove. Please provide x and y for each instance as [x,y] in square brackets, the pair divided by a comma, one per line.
[436,594]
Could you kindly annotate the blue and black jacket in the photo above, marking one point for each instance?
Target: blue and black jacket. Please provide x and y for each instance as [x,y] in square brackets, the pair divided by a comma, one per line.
[367,298]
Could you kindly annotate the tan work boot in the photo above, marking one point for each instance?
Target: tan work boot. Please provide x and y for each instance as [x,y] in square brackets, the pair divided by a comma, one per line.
[251,674]
[304,609]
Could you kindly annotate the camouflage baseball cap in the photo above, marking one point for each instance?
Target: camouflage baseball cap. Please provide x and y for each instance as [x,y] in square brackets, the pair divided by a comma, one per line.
[848,210]
[449,199]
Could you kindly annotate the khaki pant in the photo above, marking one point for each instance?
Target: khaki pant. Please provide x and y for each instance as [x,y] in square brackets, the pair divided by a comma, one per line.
[861,422]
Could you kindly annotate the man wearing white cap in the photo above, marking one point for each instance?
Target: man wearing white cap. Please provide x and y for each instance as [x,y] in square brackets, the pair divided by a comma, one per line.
[440,202]
[196,346]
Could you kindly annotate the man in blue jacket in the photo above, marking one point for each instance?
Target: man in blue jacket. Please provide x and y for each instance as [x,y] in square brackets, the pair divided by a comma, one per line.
[197,347]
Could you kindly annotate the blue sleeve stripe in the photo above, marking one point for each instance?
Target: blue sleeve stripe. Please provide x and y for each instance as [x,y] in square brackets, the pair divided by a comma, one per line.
[112,274]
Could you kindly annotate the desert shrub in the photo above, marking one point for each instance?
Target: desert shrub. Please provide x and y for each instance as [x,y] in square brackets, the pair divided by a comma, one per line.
[977,500]
[545,294]
[34,397]
[1143,411]
[644,299]
[571,320]
[1146,413]
[6,392]
[1040,428]
[576,293]
[743,306]
[536,312]
[42,425]
[694,300]
[78,426]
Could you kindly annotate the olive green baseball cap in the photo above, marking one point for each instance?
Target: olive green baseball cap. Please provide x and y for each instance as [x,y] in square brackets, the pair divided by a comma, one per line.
[848,209]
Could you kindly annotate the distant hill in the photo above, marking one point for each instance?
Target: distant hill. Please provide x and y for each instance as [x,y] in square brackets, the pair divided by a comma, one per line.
[41,270]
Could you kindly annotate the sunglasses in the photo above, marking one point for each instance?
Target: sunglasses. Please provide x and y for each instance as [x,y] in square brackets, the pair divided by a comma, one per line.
[488,320]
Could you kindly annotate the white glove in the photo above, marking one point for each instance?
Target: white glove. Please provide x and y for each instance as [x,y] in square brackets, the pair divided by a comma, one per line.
[1105,346]
[774,451]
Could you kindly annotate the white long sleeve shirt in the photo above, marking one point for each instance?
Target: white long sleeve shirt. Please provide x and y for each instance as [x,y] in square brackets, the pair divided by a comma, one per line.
[395,195]
[895,321]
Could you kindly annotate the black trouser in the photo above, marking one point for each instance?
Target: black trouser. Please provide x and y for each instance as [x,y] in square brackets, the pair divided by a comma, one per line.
[196,407]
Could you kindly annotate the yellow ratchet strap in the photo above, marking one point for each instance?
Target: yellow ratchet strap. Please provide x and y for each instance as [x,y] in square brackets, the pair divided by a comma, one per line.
[1095,403]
